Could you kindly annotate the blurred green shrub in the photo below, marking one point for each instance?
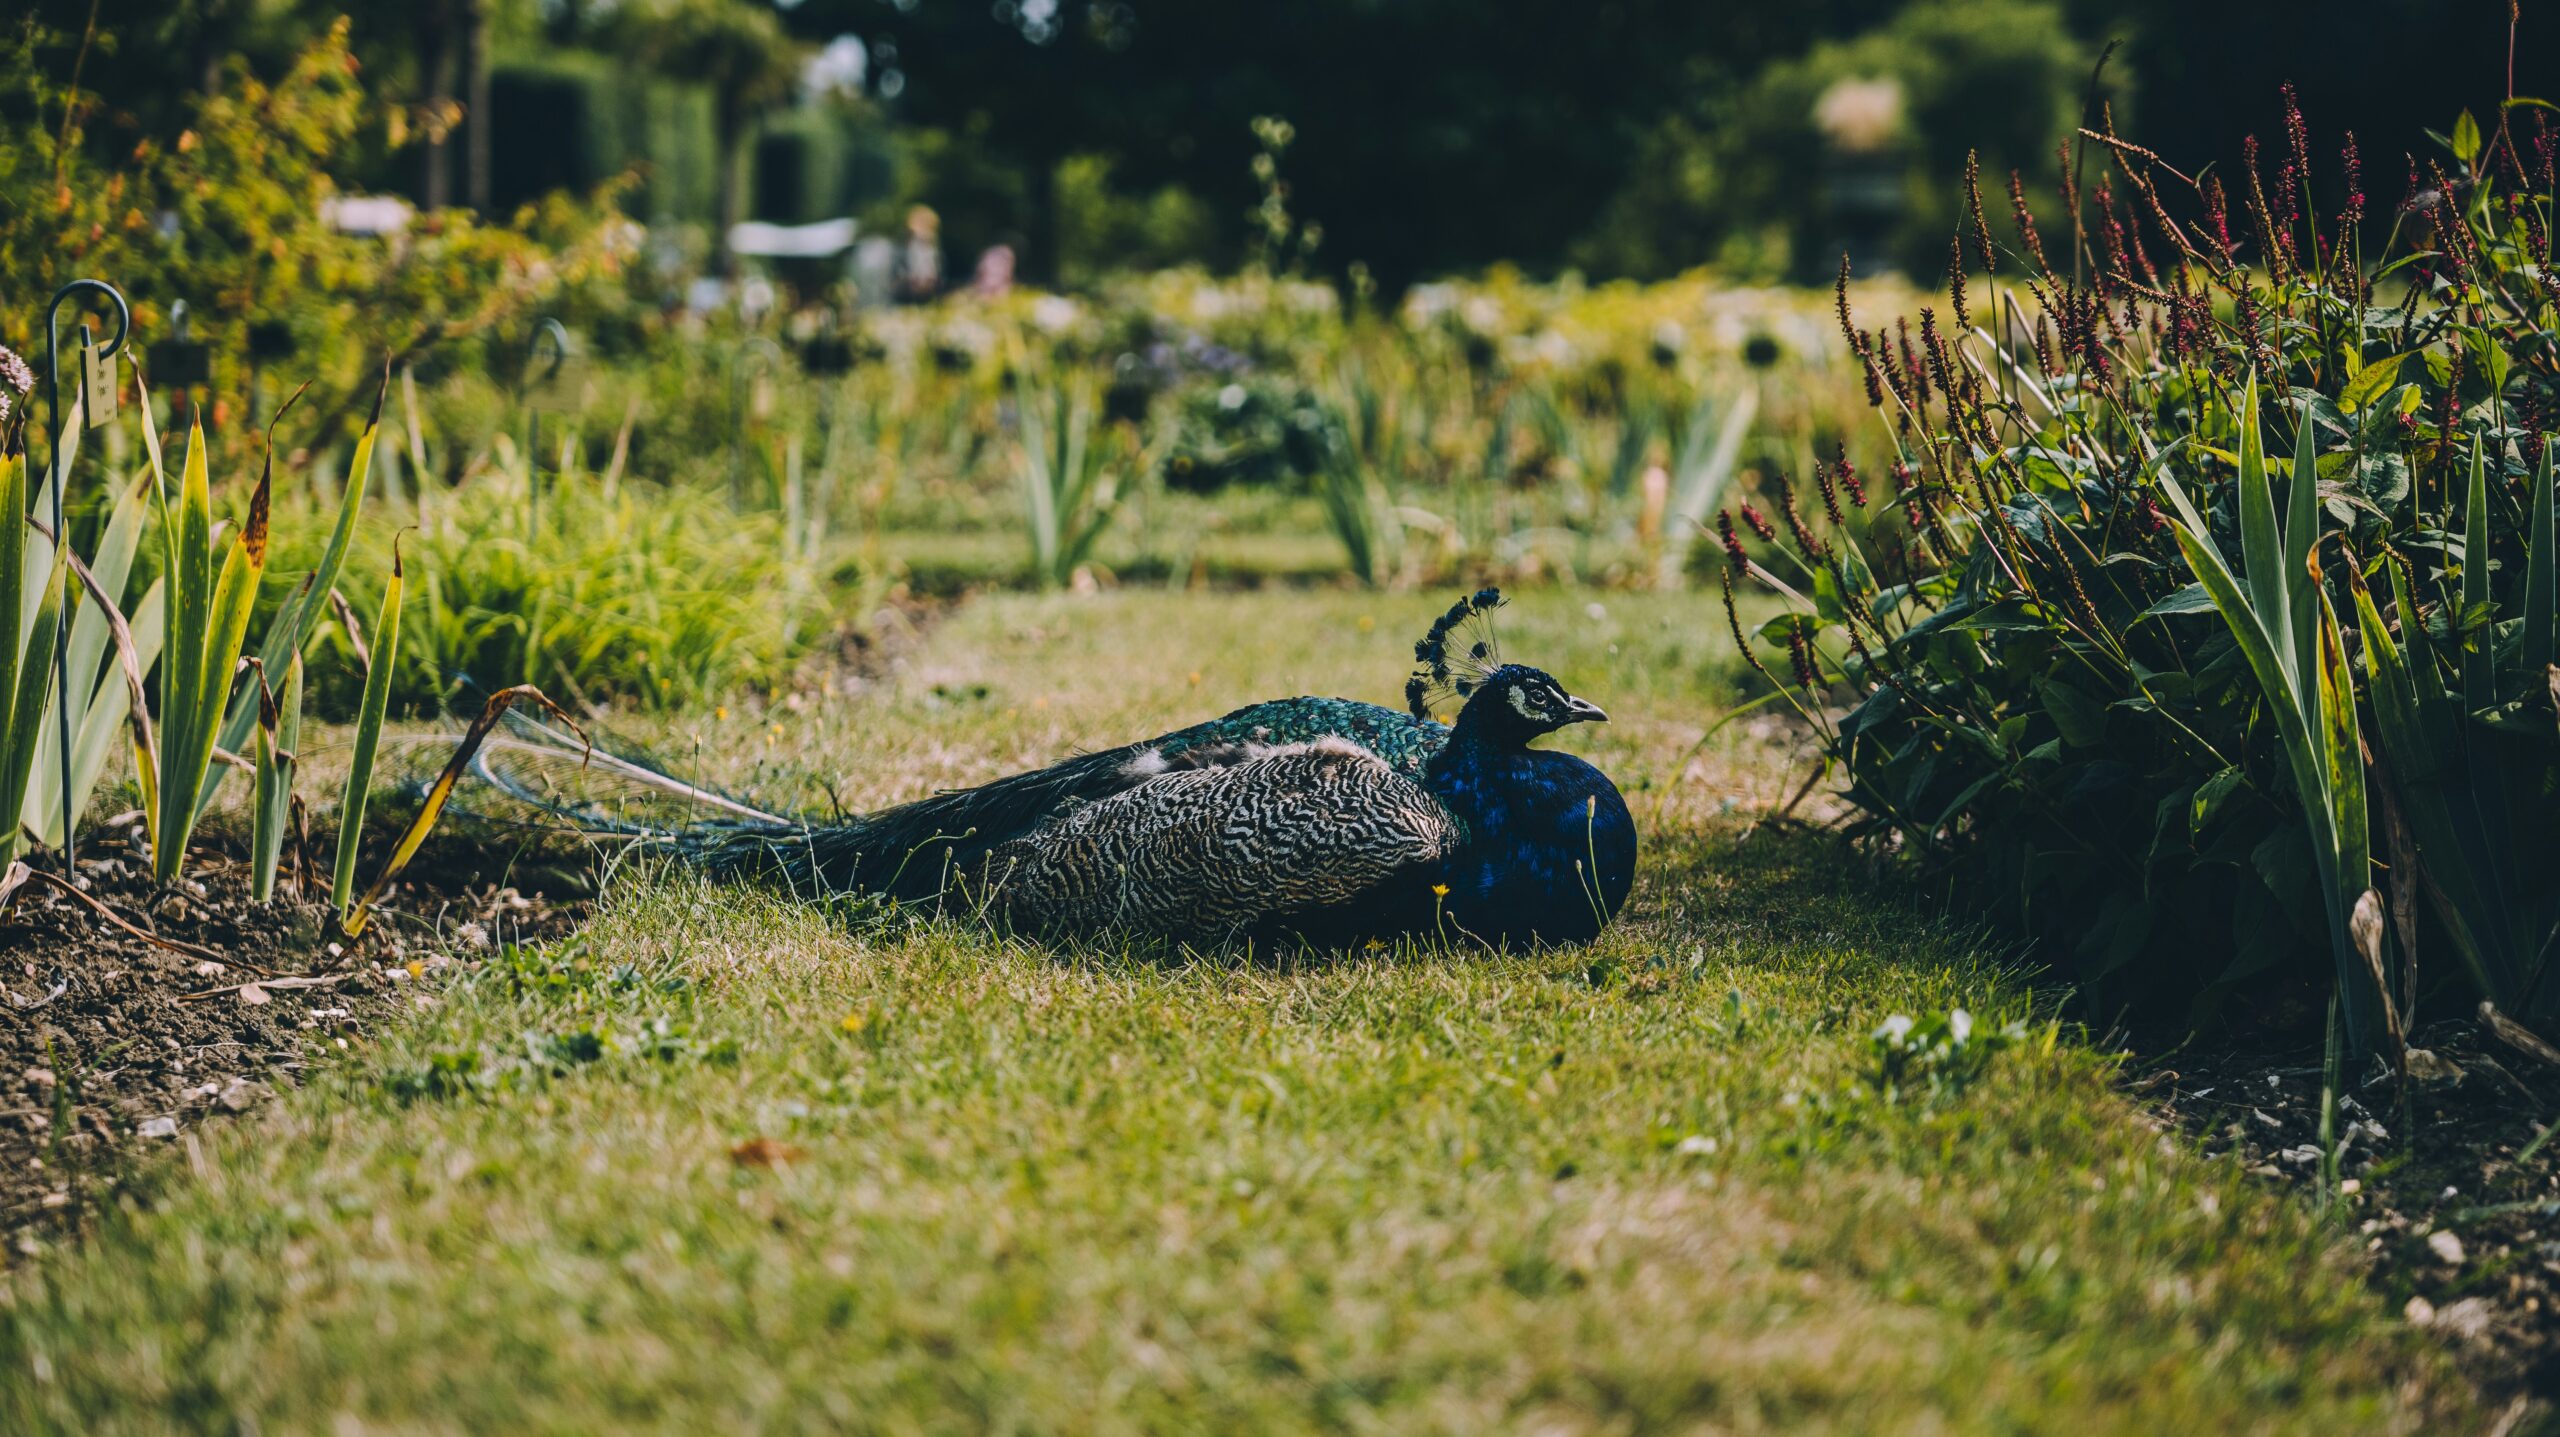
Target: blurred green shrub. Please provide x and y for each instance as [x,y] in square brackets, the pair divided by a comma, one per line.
[1745,176]
[233,219]
[1103,230]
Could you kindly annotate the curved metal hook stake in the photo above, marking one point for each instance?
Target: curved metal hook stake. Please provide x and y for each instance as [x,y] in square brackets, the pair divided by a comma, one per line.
[124,311]
[61,535]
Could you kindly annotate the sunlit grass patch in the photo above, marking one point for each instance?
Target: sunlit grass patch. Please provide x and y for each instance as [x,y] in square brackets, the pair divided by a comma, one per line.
[725,1161]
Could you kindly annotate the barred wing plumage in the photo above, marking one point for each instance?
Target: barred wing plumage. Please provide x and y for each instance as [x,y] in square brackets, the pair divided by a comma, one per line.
[1229,848]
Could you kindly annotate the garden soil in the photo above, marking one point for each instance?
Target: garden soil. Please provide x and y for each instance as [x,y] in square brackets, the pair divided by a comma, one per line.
[123,1032]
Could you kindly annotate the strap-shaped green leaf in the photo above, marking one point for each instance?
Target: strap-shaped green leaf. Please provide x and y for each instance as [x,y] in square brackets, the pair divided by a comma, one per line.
[2541,575]
[208,623]
[2479,652]
[2454,873]
[293,623]
[2262,545]
[25,732]
[2299,578]
[377,699]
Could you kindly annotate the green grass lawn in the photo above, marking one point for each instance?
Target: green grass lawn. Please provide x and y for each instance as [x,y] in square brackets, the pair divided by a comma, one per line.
[1641,1187]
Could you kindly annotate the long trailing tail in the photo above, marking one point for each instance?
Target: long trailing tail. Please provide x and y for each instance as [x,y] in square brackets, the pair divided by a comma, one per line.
[541,776]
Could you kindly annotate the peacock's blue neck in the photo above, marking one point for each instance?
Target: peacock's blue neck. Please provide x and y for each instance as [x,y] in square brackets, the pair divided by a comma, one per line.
[1550,848]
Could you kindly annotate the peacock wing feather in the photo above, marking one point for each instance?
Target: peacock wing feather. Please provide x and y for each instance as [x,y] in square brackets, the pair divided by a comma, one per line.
[1289,836]
[1406,743]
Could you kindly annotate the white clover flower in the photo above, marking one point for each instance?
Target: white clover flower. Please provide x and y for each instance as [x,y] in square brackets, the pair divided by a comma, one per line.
[1895,1028]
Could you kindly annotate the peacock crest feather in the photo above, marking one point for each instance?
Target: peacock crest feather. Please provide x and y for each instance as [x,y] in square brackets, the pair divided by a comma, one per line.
[1455,658]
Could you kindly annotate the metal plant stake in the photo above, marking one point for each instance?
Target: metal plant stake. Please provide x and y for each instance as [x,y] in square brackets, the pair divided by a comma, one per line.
[97,408]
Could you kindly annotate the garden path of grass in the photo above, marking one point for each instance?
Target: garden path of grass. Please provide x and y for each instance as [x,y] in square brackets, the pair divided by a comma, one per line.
[1633,1188]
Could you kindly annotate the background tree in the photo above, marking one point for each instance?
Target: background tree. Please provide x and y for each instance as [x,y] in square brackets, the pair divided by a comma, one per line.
[740,50]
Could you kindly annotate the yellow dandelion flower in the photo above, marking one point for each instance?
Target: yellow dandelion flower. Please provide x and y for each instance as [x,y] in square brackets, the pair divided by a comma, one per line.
[1377,945]
[855,1022]
[1439,890]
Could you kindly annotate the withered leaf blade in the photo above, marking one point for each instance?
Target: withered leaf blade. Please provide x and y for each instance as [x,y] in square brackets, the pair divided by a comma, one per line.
[353,924]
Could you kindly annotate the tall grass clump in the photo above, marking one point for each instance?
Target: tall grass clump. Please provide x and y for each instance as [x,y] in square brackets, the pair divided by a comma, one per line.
[1070,475]
[208,621]
[2211,630]
[657,595]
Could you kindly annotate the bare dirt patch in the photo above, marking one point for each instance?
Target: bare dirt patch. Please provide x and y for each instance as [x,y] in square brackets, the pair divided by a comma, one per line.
[110,1040]
[2454,1197]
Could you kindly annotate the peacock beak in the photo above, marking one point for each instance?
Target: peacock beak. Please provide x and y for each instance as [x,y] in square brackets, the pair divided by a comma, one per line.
[1585,711]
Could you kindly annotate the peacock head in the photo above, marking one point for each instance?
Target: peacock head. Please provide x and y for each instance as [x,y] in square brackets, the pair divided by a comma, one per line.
[1517,703]
[1507,703]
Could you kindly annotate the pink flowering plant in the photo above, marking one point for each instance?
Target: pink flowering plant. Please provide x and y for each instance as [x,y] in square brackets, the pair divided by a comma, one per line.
[2204,627]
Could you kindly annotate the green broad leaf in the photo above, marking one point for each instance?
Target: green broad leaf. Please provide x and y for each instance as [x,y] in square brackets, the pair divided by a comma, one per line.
[2287,866]
[1828,600]
[2466,138]
[2209,798]
[2082,719]
[2169,825]
[2371,382]
[2193,599]
[2007,616]
[1964,800]
[2122,927]
[2262,936]
[1779,630]
[2486,359]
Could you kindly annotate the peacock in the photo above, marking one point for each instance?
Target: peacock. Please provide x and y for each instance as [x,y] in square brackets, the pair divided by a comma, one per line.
[1324,820]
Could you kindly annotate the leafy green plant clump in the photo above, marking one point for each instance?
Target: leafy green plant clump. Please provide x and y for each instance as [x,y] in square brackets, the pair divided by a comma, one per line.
[645,594]
[2215,637]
